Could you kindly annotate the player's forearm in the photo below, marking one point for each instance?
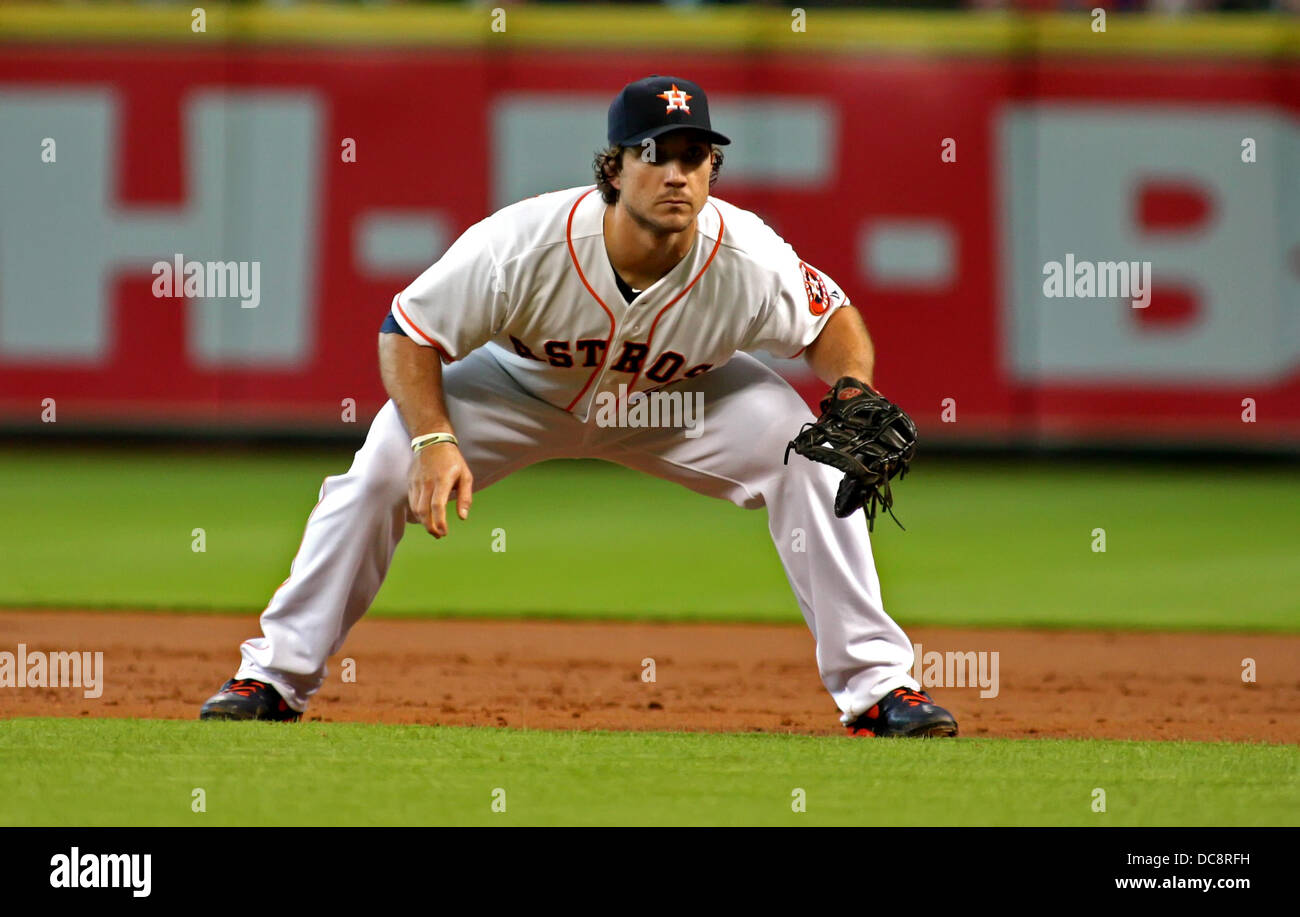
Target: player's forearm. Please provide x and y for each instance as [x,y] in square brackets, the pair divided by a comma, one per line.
[843,348]
[413,378]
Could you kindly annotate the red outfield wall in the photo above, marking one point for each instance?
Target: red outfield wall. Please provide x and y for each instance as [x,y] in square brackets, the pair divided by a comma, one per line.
[238,154]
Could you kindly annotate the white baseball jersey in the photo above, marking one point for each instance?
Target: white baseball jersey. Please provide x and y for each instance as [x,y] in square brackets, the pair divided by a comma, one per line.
[534,283]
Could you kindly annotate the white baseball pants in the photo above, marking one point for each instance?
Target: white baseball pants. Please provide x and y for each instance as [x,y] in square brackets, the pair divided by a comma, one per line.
[749,415]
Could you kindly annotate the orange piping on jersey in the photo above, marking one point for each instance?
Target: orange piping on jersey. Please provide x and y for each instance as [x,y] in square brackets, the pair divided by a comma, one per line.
[722,228]
[604,357]
[436,346]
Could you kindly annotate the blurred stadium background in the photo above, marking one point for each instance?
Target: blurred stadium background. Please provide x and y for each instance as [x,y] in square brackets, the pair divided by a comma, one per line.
[343,147]
[231,144]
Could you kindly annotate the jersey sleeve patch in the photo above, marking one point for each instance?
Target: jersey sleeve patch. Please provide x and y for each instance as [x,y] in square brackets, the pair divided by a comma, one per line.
[802,299]
[819,298]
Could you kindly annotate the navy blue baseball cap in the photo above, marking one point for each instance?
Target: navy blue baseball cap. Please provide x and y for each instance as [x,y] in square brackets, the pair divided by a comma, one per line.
[656,105]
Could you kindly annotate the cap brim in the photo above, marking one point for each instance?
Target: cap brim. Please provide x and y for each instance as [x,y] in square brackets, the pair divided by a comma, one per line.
[712,136]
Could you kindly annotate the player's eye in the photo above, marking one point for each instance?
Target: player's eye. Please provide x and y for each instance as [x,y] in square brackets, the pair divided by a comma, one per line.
[690,157]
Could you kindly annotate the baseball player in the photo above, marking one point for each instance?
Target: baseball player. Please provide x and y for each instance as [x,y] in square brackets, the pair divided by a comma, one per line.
[517,344]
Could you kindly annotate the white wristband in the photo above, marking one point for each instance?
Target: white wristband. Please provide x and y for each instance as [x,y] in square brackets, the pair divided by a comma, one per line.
[430,439]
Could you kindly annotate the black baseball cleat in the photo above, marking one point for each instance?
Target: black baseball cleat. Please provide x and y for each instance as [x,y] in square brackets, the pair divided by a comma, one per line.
[905,713]
[248,699]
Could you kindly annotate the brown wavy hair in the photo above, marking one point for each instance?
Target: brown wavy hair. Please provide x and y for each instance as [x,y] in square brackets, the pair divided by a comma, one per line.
[609,163]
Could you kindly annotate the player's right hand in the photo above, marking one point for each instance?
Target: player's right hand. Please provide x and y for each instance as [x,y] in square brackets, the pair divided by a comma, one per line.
[437,472]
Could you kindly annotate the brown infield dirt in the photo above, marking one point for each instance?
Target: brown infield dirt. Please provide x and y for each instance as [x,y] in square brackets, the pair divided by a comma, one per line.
[731,678]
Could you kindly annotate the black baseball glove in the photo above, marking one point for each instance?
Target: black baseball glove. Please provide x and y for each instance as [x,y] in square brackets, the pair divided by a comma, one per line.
[864,435]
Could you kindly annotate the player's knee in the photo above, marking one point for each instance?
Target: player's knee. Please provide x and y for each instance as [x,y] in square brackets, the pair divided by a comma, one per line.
[381,466]
[786,423]
[381,473]
[795,475]
[387,479]
[787,410]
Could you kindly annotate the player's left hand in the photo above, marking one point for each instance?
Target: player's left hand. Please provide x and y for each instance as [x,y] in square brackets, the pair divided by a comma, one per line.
[865,435]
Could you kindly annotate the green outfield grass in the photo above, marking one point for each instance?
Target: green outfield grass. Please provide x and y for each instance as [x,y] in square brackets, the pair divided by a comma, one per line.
[144,772]
[996,543]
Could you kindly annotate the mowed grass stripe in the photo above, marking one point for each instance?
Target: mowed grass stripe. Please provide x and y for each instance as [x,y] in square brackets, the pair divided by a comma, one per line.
[144,772]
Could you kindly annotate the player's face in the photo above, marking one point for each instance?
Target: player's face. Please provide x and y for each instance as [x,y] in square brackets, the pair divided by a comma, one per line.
[665,185]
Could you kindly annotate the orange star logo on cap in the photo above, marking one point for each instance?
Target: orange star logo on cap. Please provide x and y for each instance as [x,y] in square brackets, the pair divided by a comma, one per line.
[676,100]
